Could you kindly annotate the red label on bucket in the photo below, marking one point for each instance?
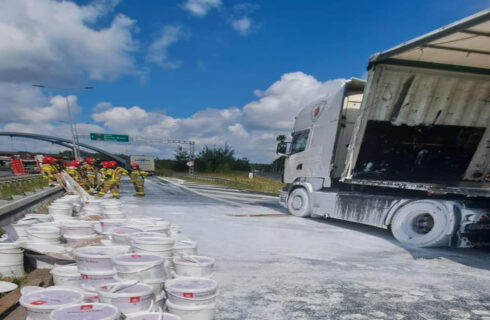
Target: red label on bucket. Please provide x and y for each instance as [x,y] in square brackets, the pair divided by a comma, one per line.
[93,298]
[38,302]
[84,276]
[188,295]
[134,299]
[86,307]
[135,256]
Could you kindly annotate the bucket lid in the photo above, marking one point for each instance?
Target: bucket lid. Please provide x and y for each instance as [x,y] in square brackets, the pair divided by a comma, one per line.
[6,286]
[138,259]
[191,284]
[100,251]
[84,311]
[80,237]
[69,270]
[124,289]
[43,229]
[153,316]
[124,230]
[194,261]
[152,239]
[78,223]
[51,298]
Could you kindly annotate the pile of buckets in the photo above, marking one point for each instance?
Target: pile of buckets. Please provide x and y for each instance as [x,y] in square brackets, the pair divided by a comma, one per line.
[139,269]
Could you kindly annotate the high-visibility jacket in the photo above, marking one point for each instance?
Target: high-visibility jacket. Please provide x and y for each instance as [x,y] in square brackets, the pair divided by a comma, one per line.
[48,170]
[88,170]
[114,175]
[73,172]
[137,174]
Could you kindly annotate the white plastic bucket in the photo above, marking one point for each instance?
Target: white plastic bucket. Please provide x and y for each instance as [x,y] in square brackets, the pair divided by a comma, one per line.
[43,234]
[78,241]
[93,279]
[41,303]
[153,243]
[61,209]
[11,253]
[191,291]
[166,254]
[153,316]
[193,266]
[97,258]
[121,235]
[77,228]
[128,297]
[113,214]
[185,248]
[107,225]
[157,285]
[13,270]
[92,311]
[139,266]
[66,276]
[198,312]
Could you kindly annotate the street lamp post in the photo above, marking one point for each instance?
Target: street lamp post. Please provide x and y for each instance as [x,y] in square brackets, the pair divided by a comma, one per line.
[74,133]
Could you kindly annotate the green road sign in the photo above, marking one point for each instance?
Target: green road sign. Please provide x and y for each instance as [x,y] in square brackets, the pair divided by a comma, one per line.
[109,137]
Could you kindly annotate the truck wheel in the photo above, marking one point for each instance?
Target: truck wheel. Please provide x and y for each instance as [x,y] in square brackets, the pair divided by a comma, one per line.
[299,203]
[423,223]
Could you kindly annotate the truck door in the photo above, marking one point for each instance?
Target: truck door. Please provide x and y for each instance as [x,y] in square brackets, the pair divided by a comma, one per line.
[296,164]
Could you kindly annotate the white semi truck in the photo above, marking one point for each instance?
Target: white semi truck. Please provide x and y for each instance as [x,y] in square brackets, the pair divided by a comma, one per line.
[408,149]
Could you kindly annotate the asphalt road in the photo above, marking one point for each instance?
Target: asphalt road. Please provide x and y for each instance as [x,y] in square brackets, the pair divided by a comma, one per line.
[271,265]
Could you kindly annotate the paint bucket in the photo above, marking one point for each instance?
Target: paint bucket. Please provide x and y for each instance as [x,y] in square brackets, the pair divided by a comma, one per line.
[93,279]
[120,235]
[185,248]
[128,297]
[66,276]
[39,304]
[157,285]
[113,214]
[43,234]
[79,241]
[152,243]
[191,291]
[193,266]
[166,254]
[77,228]
[159,226]
[97,258]
[139,266]
[107,225]
[92,311]
[153,316]
[12,270]
[11,253]
[190,312]
[60,209]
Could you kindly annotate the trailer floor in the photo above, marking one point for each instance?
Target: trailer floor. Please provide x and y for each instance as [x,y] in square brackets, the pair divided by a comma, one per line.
[271,265]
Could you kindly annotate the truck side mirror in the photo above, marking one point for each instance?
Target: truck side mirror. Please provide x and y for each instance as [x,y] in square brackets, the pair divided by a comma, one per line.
[282,148]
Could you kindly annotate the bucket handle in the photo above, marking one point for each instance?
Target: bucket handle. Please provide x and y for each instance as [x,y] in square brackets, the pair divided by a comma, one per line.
[124,286]
[147,268]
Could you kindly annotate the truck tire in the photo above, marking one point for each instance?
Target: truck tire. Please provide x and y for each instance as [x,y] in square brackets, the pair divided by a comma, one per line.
[423,223]
[299,203]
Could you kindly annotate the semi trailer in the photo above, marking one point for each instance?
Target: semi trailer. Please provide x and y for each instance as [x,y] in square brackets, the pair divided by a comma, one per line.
[408,149]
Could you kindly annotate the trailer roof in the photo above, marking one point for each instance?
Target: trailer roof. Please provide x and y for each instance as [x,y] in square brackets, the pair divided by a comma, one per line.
[462,46]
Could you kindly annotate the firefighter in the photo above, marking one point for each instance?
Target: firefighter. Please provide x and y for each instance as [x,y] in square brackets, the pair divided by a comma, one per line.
[138,179]
[88,173]
[49,170]
[111,176]
[73,171]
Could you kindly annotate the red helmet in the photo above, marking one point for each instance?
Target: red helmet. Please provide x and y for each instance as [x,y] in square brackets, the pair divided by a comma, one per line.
[113,164]
[104,164]
[74,163]
[89,160]
[135,165]
[48,159]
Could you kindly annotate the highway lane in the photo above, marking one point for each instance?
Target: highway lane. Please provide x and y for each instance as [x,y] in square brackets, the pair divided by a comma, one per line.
[271,265]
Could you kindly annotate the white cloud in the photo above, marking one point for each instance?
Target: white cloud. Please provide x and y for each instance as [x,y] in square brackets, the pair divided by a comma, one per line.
[242,25]
[158,49]
[51,41]
[201,7]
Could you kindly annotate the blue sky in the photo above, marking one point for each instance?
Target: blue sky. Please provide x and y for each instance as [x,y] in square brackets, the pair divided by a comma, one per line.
[189,68]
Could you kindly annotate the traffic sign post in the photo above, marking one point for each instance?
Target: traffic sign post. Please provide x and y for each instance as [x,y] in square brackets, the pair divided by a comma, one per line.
[109,137]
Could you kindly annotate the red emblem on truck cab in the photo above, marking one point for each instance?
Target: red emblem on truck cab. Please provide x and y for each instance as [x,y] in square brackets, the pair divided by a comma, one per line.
[315,112]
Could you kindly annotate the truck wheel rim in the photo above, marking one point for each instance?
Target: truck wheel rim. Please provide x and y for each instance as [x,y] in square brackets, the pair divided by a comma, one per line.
[423,223]
[297,203]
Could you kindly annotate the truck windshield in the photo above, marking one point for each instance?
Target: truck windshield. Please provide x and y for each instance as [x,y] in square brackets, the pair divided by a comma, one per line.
[299,141]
